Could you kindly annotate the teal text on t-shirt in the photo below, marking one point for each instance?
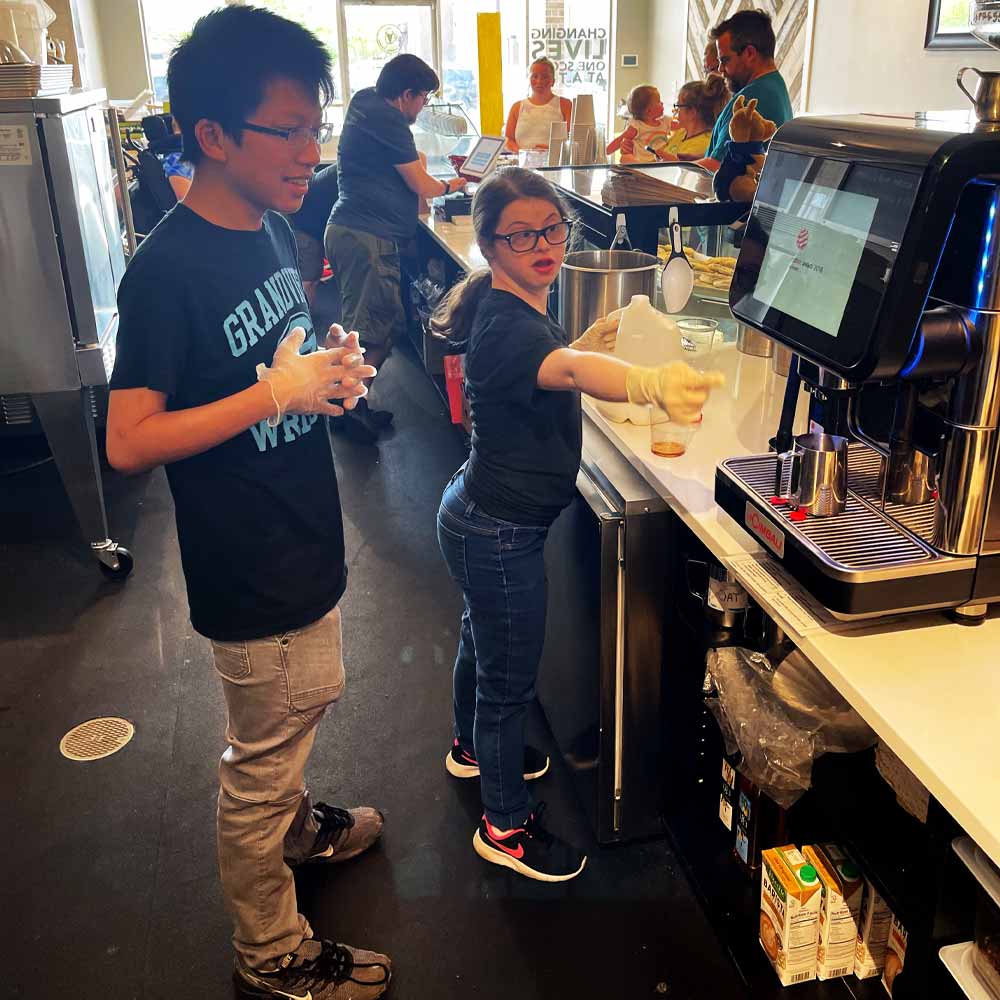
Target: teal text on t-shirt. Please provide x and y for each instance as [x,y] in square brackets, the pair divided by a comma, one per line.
[772,103]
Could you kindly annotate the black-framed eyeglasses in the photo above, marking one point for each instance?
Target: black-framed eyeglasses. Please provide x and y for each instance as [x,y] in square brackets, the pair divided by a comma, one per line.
[738,50]
[525,240]
[295,137]
[677,107]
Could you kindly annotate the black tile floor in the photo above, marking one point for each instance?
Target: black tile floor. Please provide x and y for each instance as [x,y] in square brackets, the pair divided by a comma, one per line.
[108,876]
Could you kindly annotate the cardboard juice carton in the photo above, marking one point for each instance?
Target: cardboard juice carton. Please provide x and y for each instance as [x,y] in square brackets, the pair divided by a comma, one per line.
[895,953]
[843,889]
[790,897]
[873,934]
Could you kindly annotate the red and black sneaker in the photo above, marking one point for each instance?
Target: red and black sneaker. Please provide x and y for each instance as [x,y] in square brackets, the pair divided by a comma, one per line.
[461,762]
[530,850]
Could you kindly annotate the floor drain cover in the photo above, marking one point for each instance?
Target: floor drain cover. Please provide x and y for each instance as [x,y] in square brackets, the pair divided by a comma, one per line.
[96,738]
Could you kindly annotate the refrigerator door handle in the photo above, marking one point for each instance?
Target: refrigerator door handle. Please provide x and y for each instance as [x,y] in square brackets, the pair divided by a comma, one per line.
[619,677]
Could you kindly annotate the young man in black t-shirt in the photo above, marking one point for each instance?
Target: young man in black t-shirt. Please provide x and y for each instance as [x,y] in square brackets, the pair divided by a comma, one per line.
[381,178]
[212,382]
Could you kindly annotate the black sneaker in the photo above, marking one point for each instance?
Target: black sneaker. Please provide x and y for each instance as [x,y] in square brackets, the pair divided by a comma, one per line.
[343,833]
[319,970]
[462,763]
[530,850]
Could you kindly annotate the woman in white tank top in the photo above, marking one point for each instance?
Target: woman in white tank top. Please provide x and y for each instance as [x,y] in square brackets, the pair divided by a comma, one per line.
[530,120]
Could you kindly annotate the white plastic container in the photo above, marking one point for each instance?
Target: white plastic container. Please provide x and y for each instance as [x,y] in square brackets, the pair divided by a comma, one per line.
[26,24]
[645,337]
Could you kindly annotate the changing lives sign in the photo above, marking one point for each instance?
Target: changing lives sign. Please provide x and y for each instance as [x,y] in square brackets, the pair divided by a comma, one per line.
[580,54]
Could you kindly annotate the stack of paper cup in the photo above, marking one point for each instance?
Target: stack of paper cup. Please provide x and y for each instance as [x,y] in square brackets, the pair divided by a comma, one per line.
[558,134]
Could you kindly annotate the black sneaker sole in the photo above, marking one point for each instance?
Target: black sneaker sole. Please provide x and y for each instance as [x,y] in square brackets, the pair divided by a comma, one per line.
[457,770]
[488,853]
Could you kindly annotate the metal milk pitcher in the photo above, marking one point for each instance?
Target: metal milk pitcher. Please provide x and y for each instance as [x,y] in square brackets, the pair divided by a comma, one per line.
[986,98]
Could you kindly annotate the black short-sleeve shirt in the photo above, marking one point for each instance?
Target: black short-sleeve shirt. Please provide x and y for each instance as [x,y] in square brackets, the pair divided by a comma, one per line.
[373,197]
[258,516]
[314,214]
[526,441]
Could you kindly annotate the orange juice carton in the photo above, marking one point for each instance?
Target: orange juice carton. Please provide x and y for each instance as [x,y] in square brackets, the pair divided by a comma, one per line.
[895,953]
[873,934]
[790,898]
[843,889]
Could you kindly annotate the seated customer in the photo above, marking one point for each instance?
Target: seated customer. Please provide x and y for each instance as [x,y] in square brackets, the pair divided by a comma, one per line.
[746,56]
[698,106]
[530,120]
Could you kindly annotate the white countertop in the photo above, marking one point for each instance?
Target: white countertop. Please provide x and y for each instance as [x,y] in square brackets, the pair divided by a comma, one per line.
[930,688]
[457,238]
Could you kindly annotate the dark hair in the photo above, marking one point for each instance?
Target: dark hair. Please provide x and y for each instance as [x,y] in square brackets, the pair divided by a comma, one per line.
[749,27]
[221,70]
[639,99]
[454,316]
[406,72]
[707,97]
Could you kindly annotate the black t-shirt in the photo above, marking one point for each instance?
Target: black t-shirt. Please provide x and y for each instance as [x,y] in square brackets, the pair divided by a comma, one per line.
[314,214]
[526,441]
[258,516]
[373,196]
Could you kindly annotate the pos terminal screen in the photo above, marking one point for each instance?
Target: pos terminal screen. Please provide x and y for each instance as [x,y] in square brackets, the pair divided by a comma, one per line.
[819,251]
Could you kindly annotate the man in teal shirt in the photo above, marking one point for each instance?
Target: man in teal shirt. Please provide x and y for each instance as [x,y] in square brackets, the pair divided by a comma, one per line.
[746,56]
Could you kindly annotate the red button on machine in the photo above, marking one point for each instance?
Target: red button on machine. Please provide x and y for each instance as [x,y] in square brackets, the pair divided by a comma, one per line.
[797,516]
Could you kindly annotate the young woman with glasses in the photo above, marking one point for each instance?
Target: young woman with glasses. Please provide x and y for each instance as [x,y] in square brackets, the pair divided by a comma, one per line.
[523,378]
[699,104]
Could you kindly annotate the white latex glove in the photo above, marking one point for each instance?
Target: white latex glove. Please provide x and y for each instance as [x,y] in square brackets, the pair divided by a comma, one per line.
[600,336]
[305,383]
[676,388]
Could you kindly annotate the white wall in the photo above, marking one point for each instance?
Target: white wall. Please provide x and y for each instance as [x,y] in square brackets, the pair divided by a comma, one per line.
[123,39]
[631,35]
[667,34]
[869,56]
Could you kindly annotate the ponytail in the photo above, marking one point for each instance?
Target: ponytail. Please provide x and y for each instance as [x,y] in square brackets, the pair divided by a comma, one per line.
[453,317]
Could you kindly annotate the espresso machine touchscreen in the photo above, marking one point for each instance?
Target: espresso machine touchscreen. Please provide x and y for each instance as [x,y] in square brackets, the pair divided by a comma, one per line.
[871,251]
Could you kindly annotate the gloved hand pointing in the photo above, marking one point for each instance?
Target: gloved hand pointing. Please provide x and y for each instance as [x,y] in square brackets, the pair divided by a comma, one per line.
[601,336]
[305,383]
[676,388]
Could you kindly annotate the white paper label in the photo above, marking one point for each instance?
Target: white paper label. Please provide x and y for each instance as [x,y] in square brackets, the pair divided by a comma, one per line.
[726,596]
[763,529]
[15,150]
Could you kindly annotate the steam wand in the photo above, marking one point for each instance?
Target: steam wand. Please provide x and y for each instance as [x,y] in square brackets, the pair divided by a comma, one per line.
[782,440]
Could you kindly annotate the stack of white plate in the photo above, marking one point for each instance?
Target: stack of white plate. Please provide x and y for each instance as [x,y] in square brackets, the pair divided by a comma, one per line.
[32,80]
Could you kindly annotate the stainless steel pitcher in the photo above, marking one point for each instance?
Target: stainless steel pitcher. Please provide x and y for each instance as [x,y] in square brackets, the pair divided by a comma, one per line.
[986,98]
[818,481]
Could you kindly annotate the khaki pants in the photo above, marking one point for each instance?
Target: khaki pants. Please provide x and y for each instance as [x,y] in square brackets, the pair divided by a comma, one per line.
[367,272]
[277,690]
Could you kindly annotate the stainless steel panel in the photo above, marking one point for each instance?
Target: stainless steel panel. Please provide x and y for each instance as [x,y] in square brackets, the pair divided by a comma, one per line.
[36,343]
[965,474]
[58,104]
[83,194]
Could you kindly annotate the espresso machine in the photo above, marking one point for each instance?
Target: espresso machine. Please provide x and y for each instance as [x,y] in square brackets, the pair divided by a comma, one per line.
[871,252]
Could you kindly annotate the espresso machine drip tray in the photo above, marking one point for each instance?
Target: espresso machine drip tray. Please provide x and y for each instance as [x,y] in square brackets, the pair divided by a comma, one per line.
[860,563]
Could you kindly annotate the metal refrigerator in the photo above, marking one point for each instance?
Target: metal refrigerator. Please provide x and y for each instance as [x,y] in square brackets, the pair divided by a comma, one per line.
[600,678]
[61,259]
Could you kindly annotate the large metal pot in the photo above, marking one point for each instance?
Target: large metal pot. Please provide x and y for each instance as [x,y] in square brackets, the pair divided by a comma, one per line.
[592,283]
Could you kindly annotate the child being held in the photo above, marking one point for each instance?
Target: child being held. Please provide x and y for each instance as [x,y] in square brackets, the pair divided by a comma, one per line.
[647,126]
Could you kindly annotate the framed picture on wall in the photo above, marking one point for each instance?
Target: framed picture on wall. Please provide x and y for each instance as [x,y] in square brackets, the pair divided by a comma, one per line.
[948,26]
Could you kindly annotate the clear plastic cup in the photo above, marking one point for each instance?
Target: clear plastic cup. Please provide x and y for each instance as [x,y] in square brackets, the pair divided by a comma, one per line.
[699,335]
[667,438]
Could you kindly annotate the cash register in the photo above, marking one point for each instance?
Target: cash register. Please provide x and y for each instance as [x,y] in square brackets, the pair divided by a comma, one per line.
[477,164]
[871,251]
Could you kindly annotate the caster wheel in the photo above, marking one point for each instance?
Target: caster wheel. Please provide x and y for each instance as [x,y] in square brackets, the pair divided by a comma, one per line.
[124,567]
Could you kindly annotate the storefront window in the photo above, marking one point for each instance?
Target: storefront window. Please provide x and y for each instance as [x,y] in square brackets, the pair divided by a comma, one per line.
[576,36]
[377,33]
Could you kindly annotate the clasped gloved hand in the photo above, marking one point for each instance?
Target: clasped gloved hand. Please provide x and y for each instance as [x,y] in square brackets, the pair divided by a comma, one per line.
[676,388]
[305,383]
[600,336]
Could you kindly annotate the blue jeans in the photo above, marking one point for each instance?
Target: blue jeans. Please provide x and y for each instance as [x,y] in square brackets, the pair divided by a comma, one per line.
[501,570]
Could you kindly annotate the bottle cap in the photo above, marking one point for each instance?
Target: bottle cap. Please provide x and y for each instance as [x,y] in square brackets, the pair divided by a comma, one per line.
[808,874]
